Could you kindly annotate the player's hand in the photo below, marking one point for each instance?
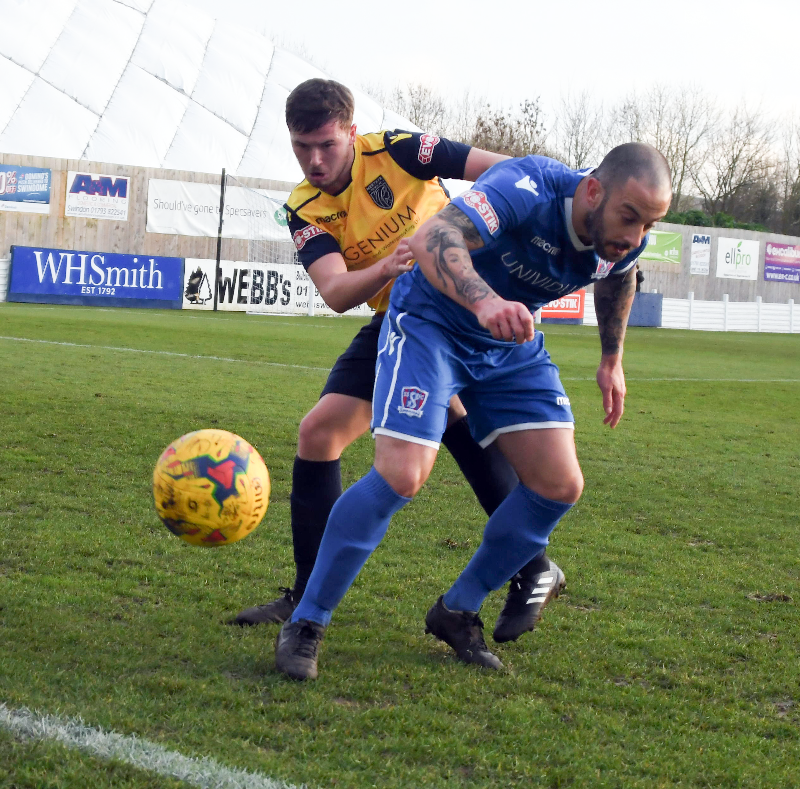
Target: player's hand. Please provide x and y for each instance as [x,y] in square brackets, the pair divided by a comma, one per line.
[611,380]
[506,320]
[399,261]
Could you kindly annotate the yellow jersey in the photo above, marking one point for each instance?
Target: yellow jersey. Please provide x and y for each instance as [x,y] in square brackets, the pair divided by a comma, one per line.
[395,186]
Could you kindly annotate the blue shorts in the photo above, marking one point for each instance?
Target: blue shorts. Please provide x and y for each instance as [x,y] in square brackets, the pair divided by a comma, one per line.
[421,365]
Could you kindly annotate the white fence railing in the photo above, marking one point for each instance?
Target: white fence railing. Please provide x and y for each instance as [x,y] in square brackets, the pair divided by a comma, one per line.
[725,315]
[4,267]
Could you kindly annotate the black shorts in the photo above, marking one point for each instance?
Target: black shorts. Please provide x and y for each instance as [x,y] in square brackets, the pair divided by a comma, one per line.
[354,371]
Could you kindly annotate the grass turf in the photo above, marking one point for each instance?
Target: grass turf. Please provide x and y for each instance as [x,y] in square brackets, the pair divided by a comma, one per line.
[669,661]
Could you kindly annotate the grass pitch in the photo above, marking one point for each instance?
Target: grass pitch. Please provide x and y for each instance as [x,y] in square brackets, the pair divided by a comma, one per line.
[671,660]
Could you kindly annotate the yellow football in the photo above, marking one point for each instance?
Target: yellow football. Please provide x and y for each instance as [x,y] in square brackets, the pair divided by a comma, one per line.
[211,488]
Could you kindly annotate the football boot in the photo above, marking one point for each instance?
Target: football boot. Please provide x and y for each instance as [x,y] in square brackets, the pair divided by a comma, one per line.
[525,600]
[296,649]
[462,630]
[274,613]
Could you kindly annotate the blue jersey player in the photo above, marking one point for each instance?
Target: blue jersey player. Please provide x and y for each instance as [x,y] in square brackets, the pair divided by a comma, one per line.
[461,322]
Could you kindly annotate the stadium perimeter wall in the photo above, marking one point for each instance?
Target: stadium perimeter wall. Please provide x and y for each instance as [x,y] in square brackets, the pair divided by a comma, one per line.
[674,280]
[56,231]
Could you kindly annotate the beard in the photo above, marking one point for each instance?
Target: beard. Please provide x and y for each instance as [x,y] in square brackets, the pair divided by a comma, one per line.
[612,251]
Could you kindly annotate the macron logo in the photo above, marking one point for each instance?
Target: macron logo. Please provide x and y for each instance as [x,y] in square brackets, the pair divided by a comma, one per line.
[526,183]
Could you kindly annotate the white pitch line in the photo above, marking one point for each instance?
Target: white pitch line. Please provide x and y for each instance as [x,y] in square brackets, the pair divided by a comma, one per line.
[164,353]
[185,315]
[327,369]
[137,752]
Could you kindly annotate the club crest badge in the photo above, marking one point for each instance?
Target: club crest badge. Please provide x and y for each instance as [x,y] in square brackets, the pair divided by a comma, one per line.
[603,269]
[413,399]
[381,193]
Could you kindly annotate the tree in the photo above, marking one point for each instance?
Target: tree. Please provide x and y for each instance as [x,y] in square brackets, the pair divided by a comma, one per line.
[424,107]
[737,162]
[675,121]
[789,179]
[694,119]
[517,134]
[577,130]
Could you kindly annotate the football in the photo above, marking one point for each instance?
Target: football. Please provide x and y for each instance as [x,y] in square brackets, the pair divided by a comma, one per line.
[211,488]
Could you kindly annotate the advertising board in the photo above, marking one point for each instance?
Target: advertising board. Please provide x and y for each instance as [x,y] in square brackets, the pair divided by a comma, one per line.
[567,309]
[66,276]
[737,258]
[663,247]
[701,254]
[97,196]
[263,288]
[782,262]
[25,189]
[191,209]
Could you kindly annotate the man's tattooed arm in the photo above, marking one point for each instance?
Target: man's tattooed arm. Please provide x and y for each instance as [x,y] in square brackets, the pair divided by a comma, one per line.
[613,298]
[441,247]
[449,238]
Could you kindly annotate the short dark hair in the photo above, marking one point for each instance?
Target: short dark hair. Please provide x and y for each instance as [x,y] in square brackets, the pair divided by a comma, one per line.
[636,160]
[315,102]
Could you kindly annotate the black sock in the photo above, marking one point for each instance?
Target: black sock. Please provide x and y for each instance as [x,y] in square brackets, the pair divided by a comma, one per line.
[315,487]
[489,474]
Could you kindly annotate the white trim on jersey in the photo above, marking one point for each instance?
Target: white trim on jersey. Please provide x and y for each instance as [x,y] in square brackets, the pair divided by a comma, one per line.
[573,236]
[627,268]
[426,442]
[378,363]
[523,426]
[397,363]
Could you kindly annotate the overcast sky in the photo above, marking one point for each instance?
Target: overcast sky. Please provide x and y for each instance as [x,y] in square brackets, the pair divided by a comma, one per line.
[509,51]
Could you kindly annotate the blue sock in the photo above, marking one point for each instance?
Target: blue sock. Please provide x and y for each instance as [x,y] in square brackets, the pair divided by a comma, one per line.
[518,531]
[356,525]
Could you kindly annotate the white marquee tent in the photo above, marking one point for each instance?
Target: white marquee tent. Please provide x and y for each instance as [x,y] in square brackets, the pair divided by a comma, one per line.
[153,83]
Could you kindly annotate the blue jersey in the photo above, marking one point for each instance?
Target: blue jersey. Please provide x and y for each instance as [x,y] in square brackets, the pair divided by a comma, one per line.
[522,209]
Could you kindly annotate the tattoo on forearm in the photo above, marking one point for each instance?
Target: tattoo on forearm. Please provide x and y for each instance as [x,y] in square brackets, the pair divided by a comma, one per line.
[459,220]
[451,260]
[612,304]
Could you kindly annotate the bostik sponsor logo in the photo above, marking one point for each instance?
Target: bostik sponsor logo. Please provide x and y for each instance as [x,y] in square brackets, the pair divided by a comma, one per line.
[479,201]
[426,145]
[305,234]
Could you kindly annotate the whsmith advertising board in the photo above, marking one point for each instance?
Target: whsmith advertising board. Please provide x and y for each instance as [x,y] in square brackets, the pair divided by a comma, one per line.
[66,276]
